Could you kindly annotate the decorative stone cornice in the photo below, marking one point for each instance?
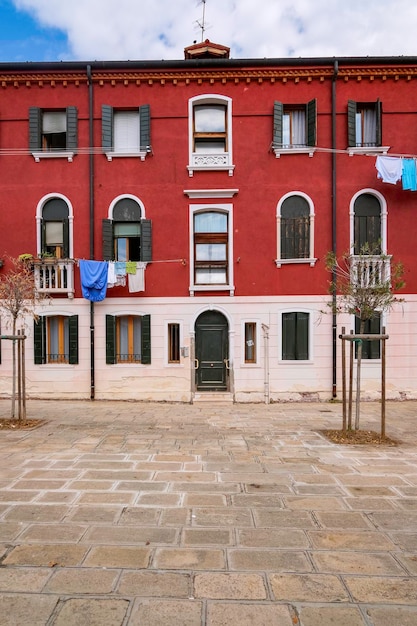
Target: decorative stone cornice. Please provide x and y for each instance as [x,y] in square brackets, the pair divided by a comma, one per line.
[220,74]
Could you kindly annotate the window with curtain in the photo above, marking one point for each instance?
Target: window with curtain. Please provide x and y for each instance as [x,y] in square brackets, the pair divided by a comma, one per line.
[294,127]
[364,124]
[128,339]
[210,248]
[53,131]
[126,131]
[250,342]
[56,339]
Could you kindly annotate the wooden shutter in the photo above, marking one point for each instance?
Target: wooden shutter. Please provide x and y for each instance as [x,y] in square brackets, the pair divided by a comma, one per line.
[288,336]
[66,252]
[35,129]
[39,340]
[378,111]
[277,132]
[107,240]
[370,349]
[146,240]
[73,339]
[145,127]
[107,127]
[146,339]
[72,128]
[312,122]
[351,123]
[110,339]
[302,336]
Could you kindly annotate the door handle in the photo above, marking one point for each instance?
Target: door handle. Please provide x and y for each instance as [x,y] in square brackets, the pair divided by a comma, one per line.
[196,364]
[226,362]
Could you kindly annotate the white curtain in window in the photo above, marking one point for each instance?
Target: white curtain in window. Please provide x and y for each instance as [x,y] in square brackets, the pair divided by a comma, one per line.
[126,131]
[299,128]
[210,223]
[54,122]
[369,127]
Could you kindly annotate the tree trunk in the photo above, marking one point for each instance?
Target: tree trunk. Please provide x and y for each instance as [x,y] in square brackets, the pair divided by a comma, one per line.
[13,408]
[358,376]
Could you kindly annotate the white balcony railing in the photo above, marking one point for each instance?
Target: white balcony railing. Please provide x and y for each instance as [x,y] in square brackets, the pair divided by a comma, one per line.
[211,161]
[370,271]
[55,276]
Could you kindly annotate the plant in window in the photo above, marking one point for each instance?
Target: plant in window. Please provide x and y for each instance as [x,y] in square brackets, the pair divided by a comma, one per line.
[19,299]
[364,285]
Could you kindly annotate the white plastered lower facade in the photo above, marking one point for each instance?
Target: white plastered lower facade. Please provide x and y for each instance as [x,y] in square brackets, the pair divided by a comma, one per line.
[268,379]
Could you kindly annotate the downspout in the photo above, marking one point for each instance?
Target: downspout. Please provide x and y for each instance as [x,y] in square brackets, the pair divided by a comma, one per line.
[334,230]
[265,330]
[91,186]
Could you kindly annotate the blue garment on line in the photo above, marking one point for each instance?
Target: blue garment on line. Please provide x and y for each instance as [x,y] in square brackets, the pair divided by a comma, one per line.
[94,279]
[409,175]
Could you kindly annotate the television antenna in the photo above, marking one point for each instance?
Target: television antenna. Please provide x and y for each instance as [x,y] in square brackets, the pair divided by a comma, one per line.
[202,23]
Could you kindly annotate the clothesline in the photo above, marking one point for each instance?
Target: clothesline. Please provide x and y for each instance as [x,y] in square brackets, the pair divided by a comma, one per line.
[392,169]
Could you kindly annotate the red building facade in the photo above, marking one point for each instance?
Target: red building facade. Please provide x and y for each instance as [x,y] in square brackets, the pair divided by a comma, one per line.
[209,190]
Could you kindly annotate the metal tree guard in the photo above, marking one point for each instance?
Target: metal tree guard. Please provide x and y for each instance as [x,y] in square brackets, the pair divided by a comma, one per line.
[352,339]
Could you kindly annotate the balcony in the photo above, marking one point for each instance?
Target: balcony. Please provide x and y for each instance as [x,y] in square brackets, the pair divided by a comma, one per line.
[54,276]
[201,161]
[370,270]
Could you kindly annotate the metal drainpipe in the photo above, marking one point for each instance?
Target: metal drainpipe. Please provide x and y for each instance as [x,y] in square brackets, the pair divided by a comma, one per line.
[265,330]
[91,184]
[334,230]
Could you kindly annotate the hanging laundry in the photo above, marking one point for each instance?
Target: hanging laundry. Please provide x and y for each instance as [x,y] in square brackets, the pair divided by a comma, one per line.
[389,169]
[130,267]
[120,268]
[409,177]
[111,275]
[137,281]
[94,276]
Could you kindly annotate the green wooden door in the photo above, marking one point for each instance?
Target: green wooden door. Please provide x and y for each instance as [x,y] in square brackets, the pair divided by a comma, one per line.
[212,352]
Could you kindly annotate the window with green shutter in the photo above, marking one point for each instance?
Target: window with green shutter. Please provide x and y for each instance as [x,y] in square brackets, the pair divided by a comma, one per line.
[126,132]
[56,339]
[294,126]
[127,237]
[295,336]
[53,130]
[128,339]
[364,124]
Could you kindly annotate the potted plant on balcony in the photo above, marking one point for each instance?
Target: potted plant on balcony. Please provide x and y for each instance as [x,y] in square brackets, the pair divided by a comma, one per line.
[26,259]
[48,257]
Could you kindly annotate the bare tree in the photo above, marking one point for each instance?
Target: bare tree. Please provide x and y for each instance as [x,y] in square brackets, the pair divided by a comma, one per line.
[364,285]
[19,298]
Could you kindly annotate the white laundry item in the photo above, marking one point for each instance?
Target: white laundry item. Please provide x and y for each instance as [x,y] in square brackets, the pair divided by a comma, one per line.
[111,276]
[137,281]
[389,168]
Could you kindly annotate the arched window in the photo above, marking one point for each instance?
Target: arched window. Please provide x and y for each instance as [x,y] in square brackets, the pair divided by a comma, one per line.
[295,230]
[54,232]
[126,235]
[367,225]
[210,133]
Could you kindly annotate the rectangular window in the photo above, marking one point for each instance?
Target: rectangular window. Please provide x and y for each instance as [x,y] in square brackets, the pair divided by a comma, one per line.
[211,248]
[364,124]
[53,131]
[250,342]
[128,339]
[126,132]
[295,336]
[56,339]
[210,134]
[371,349]
[173,343]
[294,127]
[127,241]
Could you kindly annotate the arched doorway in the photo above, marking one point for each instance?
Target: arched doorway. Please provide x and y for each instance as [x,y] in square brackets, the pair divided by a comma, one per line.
[212,352]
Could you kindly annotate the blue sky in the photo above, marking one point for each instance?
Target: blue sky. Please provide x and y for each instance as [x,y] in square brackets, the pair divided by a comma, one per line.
[22,38]
[87,30]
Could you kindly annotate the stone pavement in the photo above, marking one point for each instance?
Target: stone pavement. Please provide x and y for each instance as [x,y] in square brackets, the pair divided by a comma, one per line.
[119,513]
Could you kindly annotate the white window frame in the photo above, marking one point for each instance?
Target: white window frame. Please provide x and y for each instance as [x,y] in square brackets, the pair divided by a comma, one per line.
[311,323]
[203,208]
[198,161]
[166,342]
[384,216]
[39,218]
[312,259]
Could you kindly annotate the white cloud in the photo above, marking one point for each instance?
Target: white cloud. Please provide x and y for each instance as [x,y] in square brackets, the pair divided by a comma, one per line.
[160,29]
